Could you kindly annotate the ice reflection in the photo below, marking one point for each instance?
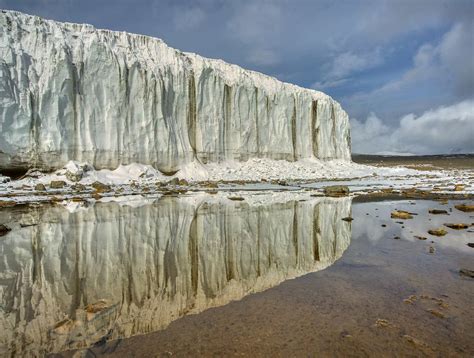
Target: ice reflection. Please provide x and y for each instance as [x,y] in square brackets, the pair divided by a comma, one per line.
[69,278]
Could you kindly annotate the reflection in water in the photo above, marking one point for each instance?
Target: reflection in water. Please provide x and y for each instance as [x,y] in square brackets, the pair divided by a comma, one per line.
[69,279]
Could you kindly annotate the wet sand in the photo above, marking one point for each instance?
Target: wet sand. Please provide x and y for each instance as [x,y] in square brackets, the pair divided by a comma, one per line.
[390,294]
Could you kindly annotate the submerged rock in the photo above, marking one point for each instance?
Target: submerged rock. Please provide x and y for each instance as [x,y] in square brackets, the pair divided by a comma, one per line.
[336,190]
[382,323]
[436,313]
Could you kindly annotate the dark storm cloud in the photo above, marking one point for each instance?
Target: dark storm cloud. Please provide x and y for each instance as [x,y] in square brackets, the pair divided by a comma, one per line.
[391,58]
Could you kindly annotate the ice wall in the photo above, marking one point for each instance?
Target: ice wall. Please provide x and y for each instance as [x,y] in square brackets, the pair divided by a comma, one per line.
[70,91]
[151,264]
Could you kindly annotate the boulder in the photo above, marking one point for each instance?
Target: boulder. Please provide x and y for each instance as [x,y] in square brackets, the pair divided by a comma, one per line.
[57,184]
[336,190]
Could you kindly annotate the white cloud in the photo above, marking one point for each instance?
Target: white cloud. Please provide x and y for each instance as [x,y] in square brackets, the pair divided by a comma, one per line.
[346,64]
[448,63]
[446,129]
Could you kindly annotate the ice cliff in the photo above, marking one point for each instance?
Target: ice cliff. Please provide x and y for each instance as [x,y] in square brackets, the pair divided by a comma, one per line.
[69,278]
[70,91]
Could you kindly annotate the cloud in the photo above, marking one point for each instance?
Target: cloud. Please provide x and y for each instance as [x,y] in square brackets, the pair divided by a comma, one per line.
[345,64]
[441,72]
[446,129]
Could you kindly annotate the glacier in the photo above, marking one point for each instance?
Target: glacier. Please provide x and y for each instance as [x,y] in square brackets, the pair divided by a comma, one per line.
[74,92]
[146,264]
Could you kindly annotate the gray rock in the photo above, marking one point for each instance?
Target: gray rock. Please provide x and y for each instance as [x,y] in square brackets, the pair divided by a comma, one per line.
[78,187]
[174,181]
[40,187]
[77,176]
[57,184]
[4,230]
[466,273]
[101,187]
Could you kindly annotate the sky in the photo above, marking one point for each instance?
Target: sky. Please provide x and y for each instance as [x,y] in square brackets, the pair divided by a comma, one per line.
[402,69]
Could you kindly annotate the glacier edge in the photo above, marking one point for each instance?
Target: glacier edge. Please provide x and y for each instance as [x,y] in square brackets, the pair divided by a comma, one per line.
[73,92]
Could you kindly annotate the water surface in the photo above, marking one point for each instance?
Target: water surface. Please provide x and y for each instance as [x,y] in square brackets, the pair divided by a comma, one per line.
[76,275]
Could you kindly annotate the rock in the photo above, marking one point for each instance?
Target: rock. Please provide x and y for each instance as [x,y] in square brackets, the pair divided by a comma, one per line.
[437,232]
[437,211]
[57,184]
[470,244]
[436,313]
[183,182]
[174,181]
[4,230]
[467,208]
[101,187]
[209,184]
[400,214]
[396,238]
[383,225]
[73,176]
[78,187]
[457,226]
[336,190]
[410,300]
[349,219]
[466,273]
[74,171]
[235,198]
[7,203]
[382,323]
[420,237]
[40,187]
[459,187]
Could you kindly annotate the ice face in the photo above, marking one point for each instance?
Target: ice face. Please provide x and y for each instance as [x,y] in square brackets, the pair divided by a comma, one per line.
[151,263]
[72,92]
